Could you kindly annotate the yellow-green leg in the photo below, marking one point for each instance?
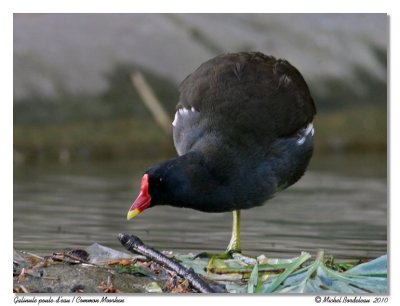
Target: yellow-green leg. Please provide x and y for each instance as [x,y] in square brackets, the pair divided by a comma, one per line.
[234,244]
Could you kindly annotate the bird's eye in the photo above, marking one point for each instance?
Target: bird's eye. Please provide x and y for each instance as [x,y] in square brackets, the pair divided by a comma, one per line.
[158,182]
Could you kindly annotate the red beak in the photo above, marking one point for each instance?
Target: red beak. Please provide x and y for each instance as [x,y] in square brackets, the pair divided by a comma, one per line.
[143,200]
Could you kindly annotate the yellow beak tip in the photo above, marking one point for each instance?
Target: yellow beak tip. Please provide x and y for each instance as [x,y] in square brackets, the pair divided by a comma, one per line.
[132,213]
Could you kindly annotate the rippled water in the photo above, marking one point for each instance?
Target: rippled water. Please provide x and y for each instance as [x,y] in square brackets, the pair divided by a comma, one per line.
[340,206]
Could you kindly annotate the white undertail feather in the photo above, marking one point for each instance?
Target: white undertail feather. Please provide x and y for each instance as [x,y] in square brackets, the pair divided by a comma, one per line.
[304,133]
[175,119]
[181,112]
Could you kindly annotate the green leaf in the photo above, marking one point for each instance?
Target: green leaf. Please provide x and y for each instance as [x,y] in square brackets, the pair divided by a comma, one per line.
[134,270]
[293,266]
[321,276]
[317,278]
[357,283]
[376,267]
[253,280]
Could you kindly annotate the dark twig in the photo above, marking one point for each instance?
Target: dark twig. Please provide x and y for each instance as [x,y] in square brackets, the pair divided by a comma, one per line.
[135,245]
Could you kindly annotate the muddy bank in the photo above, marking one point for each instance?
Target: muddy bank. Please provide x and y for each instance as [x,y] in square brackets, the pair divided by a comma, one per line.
[99,269]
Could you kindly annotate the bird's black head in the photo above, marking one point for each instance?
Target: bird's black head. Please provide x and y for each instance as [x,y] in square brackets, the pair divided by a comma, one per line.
[168,183]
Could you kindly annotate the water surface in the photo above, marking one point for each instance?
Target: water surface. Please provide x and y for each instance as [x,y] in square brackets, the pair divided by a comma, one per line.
[340,205]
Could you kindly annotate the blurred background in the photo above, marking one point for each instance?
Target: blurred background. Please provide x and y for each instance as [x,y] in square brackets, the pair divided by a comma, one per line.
[83,136]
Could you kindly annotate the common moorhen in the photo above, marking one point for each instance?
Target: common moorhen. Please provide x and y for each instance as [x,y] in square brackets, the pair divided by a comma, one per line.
[243,131]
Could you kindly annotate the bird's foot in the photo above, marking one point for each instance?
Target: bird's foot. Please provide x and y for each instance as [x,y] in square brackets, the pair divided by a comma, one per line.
[228,254]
